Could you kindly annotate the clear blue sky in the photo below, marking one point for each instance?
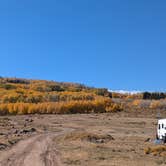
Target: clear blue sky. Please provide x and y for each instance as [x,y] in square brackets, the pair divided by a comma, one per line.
[118,44]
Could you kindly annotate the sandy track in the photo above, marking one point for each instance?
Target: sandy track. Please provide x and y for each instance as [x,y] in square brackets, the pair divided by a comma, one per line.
[35,151]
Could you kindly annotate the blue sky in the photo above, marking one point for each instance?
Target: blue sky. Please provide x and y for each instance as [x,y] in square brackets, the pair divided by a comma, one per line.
[110,43]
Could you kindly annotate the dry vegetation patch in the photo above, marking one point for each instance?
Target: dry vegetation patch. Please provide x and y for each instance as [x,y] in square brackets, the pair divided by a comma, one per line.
[90,137]
[159,150]
[81,147]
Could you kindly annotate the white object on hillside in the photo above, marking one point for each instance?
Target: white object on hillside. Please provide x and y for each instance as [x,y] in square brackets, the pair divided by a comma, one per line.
[125,92]
[161,130]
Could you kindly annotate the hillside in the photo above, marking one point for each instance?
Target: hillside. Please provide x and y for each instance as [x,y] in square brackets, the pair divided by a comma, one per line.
[23,96]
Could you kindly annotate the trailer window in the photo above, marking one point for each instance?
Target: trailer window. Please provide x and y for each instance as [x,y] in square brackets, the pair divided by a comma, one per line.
[159,126]
[162,125]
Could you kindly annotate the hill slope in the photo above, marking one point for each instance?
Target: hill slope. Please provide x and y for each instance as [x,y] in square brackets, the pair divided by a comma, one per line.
[23,96]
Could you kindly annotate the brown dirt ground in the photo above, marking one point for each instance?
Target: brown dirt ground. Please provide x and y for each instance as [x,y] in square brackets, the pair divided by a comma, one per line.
[115,139]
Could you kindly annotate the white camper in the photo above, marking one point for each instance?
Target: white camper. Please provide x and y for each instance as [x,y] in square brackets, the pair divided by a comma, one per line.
[161,130]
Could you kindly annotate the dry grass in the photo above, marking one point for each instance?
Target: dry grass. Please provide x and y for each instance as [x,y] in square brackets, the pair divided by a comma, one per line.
[84,148]
[90,137]
[159,150]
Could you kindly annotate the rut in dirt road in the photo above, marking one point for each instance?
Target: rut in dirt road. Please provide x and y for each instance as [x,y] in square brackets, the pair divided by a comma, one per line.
[35,151]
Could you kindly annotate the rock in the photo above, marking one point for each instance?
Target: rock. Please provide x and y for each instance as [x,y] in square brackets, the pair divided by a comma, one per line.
[12,142]
[29,120]
[32,129]
[2,146]
[2,134]
[147,140]
[26,131]
[100,139]
[15,132]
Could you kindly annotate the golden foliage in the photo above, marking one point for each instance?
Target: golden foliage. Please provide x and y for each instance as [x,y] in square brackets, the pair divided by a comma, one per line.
[136,103]
[21,96]
[95,106]
[156,150]
[155,104]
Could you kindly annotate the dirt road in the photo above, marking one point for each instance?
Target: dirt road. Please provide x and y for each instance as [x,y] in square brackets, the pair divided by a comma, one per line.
[36,151]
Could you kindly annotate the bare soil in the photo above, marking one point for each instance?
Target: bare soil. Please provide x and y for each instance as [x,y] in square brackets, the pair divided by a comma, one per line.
[115,139]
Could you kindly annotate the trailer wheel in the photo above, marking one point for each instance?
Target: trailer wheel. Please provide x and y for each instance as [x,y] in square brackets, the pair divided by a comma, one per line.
[164,140]
[157,137]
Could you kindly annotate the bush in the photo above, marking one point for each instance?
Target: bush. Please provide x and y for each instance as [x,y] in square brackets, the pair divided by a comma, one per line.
[156,150]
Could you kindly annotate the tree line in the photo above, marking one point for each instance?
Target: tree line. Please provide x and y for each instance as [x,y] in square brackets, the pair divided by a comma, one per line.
[71,107]
[154,95]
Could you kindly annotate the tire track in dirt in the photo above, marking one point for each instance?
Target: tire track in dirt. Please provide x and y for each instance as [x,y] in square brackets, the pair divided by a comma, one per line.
[34,151]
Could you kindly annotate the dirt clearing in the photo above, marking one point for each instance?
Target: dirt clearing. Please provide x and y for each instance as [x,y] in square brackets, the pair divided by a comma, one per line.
[84,140]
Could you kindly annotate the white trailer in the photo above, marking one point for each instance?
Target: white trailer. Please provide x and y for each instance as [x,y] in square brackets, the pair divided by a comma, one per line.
[161,130]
